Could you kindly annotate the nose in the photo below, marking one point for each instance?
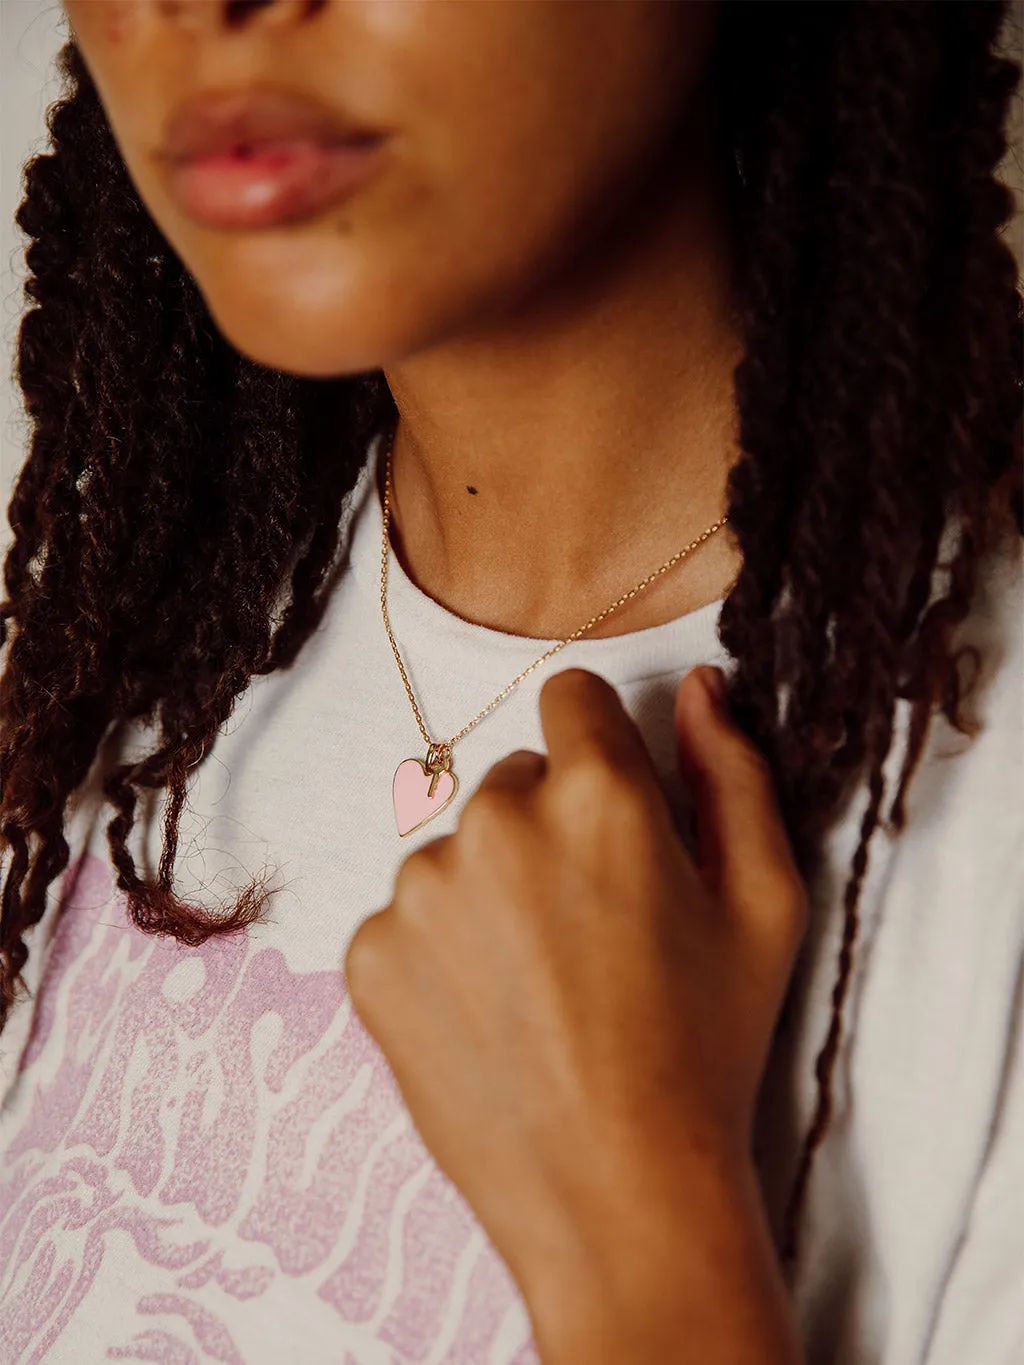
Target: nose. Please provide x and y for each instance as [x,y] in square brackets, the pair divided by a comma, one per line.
[230,14]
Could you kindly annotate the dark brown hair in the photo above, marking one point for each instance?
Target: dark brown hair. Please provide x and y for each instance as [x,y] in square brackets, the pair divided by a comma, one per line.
[176,522]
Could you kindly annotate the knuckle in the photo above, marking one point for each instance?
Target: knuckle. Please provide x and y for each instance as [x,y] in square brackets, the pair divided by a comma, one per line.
[526,763]
[489,805]
[595,793]
[486,816]
[366,957]
[789,908]
[416,880]
[577,787]
[602,780]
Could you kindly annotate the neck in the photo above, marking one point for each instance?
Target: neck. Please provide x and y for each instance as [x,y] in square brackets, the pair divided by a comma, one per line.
[544,466]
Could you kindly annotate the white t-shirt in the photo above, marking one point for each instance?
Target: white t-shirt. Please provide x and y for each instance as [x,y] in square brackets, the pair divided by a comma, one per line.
[204,1157]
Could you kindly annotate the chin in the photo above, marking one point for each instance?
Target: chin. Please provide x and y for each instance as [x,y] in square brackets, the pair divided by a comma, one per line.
[303,358]
[286,338]
[325,316]
[293,306]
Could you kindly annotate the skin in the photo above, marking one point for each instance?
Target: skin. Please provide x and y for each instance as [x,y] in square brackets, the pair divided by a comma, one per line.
[577,304]
[544,271]
[604,1144]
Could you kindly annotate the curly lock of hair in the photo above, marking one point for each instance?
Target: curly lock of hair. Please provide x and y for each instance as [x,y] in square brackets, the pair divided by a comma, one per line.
[176,521]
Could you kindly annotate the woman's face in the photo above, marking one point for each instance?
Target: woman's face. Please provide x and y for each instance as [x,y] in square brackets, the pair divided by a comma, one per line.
[507,135]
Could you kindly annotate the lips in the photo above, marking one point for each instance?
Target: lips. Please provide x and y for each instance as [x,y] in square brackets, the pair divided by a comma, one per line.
[221,122]
[254,158]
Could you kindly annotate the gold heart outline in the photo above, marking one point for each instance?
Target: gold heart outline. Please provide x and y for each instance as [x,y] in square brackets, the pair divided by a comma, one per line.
[444,804]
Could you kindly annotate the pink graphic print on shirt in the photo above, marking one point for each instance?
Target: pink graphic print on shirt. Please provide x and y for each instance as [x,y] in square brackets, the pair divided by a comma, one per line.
[237,1122]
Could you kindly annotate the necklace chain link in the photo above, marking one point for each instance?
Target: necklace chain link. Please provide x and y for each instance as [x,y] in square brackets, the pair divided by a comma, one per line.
[439,754]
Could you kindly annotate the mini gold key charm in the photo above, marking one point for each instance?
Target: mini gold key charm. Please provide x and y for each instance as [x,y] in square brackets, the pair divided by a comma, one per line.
[439,760]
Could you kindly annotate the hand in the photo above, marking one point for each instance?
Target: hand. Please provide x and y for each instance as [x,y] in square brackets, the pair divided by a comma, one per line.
[578,1014]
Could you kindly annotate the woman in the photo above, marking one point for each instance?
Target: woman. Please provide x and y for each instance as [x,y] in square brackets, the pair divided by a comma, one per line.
[465,999]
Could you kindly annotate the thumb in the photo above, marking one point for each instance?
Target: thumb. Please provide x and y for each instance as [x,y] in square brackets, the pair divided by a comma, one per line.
[743,847]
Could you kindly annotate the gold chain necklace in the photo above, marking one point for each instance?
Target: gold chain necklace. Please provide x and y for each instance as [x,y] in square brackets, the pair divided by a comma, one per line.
[421,788]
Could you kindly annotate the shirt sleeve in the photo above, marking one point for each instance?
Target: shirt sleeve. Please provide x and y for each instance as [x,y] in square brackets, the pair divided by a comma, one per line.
[980,1317]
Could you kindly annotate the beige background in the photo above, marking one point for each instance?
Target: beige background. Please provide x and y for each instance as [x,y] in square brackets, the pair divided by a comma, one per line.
[31,31]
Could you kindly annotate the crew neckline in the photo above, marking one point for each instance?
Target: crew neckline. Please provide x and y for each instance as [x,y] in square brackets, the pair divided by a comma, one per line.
[483,652]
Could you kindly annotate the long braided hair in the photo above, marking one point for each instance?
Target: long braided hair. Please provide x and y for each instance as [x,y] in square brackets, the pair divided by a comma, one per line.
[176,522]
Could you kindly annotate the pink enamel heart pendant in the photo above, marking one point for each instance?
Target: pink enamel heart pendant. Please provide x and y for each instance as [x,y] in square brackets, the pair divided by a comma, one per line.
[410,792]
